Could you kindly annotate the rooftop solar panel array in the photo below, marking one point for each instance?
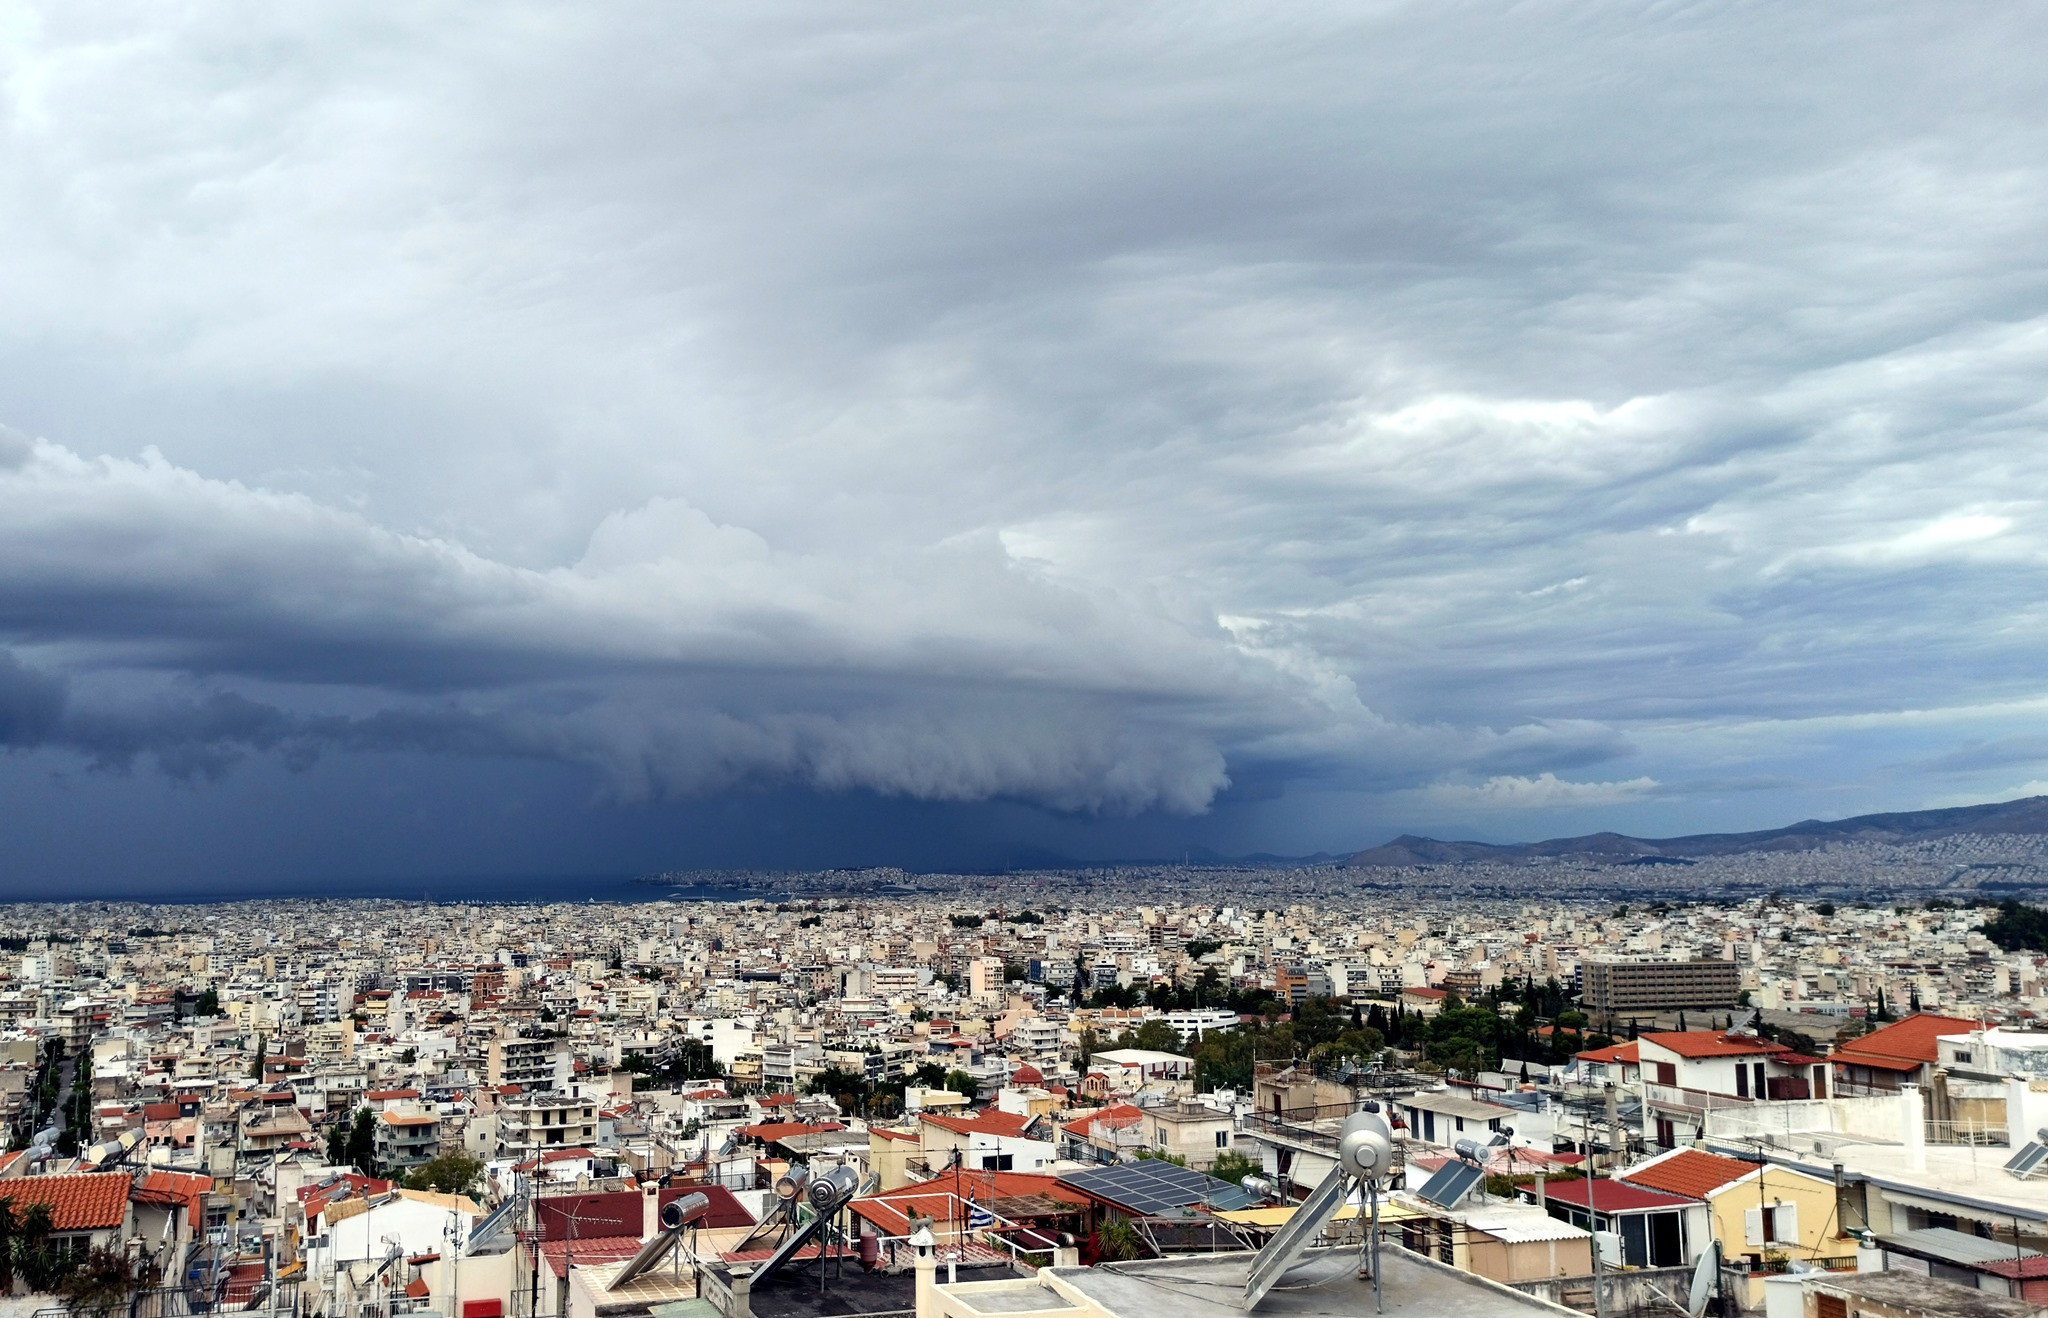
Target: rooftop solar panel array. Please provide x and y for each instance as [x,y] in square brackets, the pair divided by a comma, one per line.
[1452,1182]
[2024,1163]
[1152,1186]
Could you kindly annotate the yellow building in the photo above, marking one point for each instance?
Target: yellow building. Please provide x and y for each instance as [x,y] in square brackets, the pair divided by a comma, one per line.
[1774,1216]
[1766,1215]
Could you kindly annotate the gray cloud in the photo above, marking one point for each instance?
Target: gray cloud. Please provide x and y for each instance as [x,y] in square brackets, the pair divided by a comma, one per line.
[1085,408]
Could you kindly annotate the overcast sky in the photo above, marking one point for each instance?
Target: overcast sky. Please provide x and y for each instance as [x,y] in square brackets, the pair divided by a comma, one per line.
[599,438]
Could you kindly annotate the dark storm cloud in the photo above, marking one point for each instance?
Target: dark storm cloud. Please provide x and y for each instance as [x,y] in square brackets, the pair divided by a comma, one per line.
[1435,407]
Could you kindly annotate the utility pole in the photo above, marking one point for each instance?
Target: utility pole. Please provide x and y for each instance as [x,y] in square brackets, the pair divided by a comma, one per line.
[1592,1213]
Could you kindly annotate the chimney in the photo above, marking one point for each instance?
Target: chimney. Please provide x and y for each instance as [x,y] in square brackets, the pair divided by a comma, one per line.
[1913,1126]
[1536,1187]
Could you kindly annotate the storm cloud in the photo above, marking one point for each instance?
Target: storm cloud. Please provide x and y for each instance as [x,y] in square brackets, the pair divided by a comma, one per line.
[1301,425]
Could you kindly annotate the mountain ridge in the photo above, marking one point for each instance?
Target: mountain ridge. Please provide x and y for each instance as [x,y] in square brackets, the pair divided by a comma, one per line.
[2026,815]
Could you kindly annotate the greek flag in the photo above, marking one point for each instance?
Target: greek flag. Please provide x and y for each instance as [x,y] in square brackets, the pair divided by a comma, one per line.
[977,1216]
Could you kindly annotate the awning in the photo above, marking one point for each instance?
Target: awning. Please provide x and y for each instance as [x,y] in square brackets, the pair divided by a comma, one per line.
[1974,1212]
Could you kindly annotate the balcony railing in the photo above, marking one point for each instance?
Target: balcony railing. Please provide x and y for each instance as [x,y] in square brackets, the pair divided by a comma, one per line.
[1324,1139]
[1691,1100]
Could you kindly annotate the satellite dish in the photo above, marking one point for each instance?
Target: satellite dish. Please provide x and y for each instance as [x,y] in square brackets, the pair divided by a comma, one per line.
[1705,1274]
[1366,1147]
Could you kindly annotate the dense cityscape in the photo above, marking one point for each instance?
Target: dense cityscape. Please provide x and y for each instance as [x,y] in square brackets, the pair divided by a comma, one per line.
[355,1107]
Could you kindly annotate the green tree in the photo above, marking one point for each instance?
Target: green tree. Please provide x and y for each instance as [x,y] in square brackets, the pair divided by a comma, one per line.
[337,1144]
[1232,1166]
[450,1173]
[362,1142]
[844,1087]
[256,1061]
[1154,1035]
[962,1083]
[100,1283]
[208,1004]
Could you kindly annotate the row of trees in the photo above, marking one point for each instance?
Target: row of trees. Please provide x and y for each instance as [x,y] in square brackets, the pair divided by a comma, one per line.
[885,1097]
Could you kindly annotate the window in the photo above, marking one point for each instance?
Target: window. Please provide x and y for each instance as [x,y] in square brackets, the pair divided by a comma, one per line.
[1770,1224]
[1667,1073]
[1222,1139]
[1962,1054]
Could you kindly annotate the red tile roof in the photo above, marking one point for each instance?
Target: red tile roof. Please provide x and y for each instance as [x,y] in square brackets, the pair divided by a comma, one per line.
[1694,1044]
[595,1249]
[1619,1052]
[83,1201]
[1612,1196]
[1688,1172]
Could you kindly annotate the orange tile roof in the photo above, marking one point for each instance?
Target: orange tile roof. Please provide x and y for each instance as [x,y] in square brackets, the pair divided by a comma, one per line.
[1618,1052]
[1123,1114]
[82,1201]
[770,1131]
[1911,1040]
[945,1198]
[170,1189]
[989,1121]
[1688,1172]
[1712,1043]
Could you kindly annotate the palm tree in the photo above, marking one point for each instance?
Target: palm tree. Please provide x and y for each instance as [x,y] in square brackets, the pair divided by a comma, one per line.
[39,1266]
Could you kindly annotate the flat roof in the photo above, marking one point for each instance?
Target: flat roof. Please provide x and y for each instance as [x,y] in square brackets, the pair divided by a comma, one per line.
[1911,1291]
[1323,1282]
[1447,1104]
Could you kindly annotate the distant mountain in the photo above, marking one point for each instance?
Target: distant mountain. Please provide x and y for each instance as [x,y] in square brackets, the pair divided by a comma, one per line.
[2027,815]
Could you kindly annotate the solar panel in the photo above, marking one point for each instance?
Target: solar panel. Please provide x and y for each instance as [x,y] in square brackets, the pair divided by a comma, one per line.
[1153,1186]
[2023,1163]
[1452,1182]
